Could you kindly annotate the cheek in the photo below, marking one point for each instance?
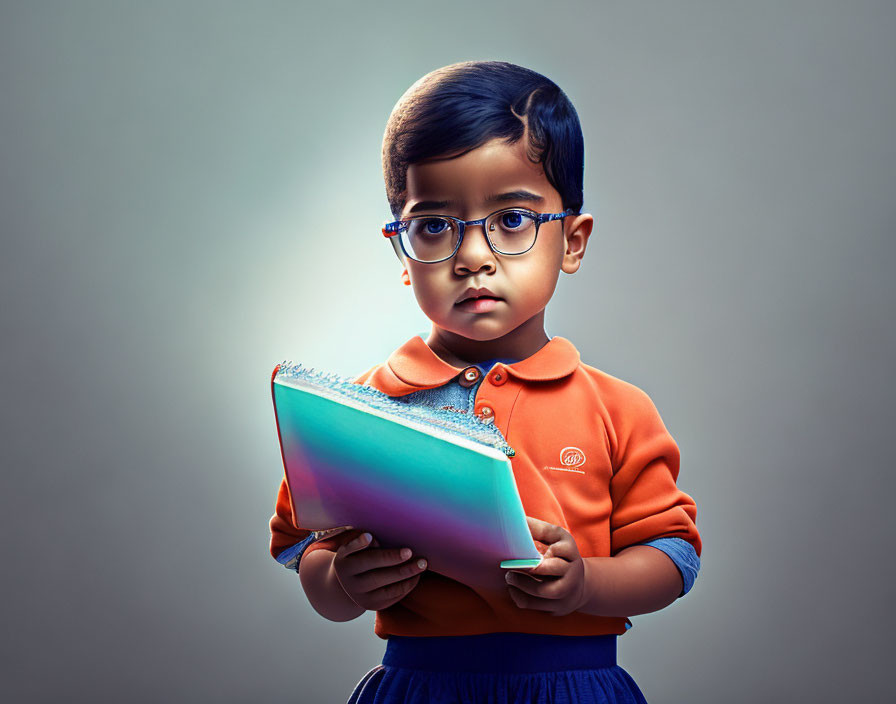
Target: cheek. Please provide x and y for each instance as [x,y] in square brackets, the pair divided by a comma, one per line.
[430,288]
[536,281]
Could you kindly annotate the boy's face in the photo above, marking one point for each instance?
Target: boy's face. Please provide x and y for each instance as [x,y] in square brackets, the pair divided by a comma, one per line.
[467,187]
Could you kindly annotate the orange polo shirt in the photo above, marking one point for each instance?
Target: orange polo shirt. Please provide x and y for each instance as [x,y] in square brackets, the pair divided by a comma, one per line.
[592,456]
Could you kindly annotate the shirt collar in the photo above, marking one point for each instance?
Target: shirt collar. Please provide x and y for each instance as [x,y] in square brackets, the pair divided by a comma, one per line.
[414,366]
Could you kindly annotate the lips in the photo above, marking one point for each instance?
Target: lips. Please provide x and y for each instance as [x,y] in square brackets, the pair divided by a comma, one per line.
[474,293]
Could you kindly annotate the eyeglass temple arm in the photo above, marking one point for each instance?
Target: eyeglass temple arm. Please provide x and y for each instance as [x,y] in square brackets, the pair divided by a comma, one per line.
[547,217]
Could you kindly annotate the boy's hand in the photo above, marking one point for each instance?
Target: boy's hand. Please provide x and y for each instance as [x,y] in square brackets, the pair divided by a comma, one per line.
[557,585]
[373,577]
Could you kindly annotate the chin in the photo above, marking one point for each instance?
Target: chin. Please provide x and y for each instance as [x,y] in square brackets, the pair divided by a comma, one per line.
[482,332]
[480,336]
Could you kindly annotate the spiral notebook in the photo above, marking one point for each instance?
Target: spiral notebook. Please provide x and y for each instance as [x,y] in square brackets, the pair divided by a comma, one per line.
[436,480]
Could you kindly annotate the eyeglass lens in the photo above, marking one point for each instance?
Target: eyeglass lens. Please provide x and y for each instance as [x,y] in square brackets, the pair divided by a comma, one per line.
[430,238]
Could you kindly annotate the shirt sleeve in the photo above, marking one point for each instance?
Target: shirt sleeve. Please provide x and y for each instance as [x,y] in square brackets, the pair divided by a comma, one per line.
[684,556]
[292,556]
[290,543]
[287,540]
[647,503]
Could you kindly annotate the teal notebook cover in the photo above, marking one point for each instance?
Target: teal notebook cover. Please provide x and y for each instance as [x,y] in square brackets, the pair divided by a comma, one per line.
[438,481]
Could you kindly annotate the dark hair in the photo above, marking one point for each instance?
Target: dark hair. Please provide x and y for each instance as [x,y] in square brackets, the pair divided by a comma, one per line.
[457,108]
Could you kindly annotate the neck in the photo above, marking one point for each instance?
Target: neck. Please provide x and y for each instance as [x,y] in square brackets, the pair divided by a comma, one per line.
[519,343]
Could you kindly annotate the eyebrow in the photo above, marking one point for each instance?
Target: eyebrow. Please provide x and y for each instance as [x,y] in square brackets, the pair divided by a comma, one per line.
[522,195]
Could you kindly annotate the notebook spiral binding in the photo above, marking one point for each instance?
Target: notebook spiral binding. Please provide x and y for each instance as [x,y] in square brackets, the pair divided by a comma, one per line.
[450,419]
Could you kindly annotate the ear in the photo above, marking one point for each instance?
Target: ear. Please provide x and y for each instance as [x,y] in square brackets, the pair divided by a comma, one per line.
[576,234]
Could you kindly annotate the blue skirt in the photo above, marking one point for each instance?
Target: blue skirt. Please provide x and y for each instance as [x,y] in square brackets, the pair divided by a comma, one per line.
[499,668]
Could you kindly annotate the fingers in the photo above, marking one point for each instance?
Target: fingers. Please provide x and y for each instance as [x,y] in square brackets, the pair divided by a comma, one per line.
[546,588]
[389,594]
[373,577]
[559,540]
[556,595]
[557,585]
[549,567]
[523,600]
[379,589]
[360,555]
[352,546]
[545,532]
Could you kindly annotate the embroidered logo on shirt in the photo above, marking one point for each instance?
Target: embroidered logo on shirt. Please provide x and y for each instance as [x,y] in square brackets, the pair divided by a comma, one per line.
[571,458]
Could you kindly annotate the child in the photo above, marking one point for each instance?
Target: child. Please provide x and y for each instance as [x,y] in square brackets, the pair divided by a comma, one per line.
[483,165]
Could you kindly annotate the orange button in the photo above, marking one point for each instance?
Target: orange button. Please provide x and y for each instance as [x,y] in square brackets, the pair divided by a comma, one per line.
[498,377]
[469,376]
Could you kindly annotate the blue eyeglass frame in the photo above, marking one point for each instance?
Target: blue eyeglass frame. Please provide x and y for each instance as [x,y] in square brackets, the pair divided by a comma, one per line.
[391,229]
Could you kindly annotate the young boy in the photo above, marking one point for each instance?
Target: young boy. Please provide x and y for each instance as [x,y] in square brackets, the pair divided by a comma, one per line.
[483,164]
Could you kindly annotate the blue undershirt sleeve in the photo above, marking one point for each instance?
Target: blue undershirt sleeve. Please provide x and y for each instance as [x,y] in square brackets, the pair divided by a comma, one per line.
[682,553]
[290,557]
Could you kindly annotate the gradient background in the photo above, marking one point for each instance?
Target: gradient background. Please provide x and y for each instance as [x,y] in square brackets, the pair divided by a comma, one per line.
[192,192]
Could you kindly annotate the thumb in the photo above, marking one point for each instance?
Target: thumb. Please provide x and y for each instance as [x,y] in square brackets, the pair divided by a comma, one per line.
[543,531]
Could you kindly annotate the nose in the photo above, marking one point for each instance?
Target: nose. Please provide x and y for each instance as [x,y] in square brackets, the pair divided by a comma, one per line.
[474,253]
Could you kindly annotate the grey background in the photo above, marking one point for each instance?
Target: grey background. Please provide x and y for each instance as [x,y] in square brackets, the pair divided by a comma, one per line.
[191,193]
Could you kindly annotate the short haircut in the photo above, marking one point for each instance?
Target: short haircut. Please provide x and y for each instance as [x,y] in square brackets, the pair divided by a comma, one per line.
[460,107]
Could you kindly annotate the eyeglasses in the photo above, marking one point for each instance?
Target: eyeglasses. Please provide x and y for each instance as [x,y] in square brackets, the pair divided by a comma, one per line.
[434,238]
